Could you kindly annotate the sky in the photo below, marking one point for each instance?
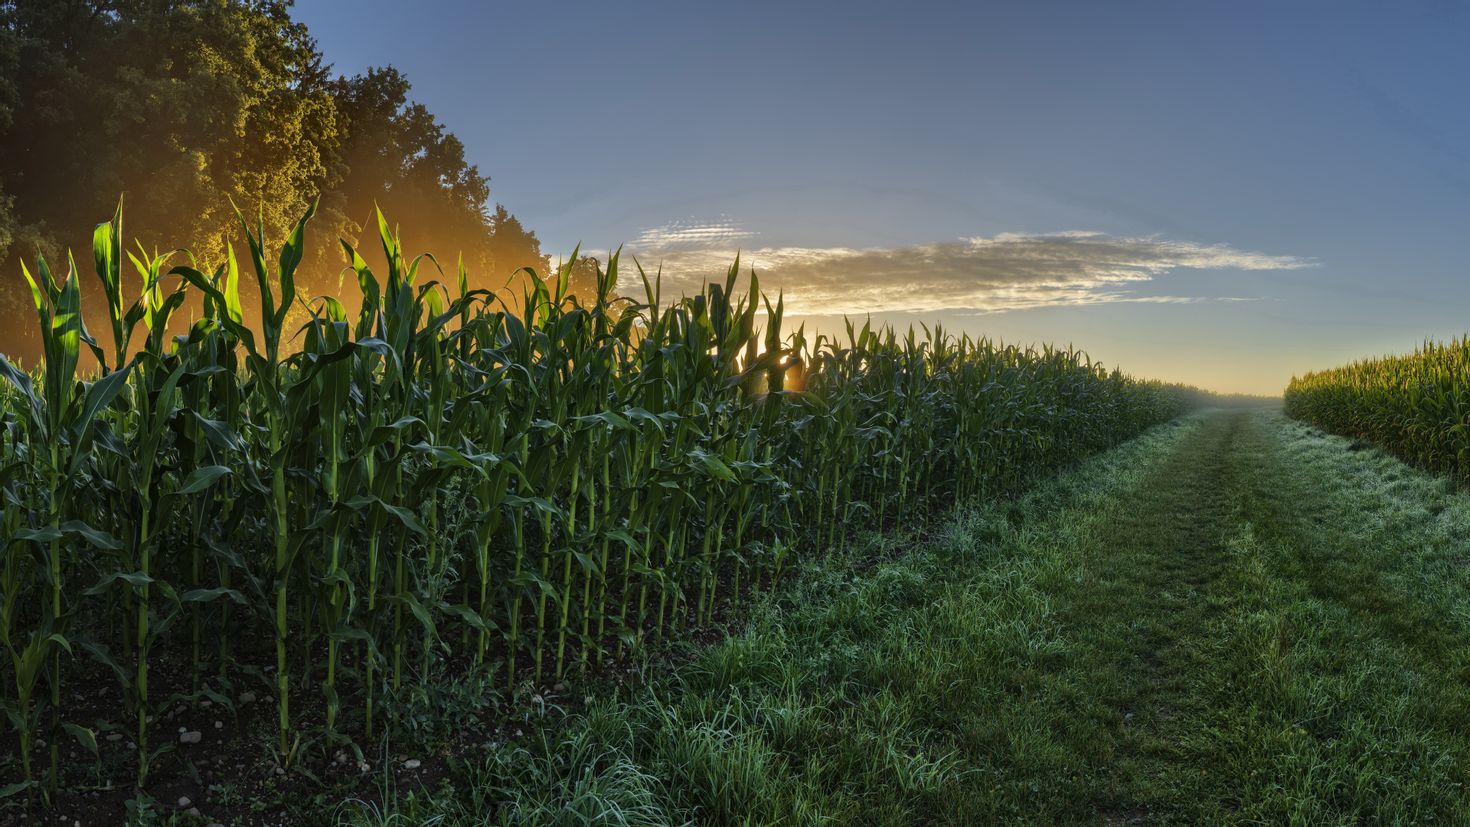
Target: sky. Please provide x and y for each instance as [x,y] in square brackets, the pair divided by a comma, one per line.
[1226,194]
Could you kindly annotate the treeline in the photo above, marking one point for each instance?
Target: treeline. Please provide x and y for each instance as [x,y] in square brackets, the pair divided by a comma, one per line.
[183,105]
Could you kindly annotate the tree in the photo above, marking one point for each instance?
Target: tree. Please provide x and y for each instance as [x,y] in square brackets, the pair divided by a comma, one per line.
[185,105]
[9,99]
[181,106]
[398,157]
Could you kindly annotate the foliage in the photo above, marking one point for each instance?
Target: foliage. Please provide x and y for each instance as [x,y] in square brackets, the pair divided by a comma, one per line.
[442,486]
[1415,406]
[582,280]
[398,157]
[182,104]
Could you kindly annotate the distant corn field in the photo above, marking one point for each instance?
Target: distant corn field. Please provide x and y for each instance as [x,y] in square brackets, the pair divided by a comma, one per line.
[1415,406]
[442,485]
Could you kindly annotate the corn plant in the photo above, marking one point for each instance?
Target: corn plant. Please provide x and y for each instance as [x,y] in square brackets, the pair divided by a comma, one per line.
[58,425]
[1417,406]
[453,481]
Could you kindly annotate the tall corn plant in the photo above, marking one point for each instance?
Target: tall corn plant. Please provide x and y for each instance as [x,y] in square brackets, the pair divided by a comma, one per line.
[58,421]
[622,468]
[1415,405]
[271,385]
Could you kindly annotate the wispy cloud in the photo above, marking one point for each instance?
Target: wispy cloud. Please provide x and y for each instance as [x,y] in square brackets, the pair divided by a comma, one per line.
[1010,271]
[691,233]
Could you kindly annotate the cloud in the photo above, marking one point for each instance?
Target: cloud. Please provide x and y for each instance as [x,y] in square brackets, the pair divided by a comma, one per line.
[1005,272]
[691,233]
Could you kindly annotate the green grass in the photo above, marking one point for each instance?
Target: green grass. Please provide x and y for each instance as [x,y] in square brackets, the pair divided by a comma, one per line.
[1231,620]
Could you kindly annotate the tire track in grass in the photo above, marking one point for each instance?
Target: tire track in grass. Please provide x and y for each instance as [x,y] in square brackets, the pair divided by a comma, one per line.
[1166,551]
[1304,651]
[1085,621]
[1350,695]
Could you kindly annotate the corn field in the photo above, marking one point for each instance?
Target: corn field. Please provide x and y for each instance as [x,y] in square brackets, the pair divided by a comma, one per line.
[1415,406]
[447,483]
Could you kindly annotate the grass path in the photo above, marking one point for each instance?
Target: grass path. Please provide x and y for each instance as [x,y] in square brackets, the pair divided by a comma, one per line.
[1233,619]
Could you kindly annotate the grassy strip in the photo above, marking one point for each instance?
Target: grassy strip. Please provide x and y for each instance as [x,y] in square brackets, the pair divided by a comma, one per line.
[1347,694]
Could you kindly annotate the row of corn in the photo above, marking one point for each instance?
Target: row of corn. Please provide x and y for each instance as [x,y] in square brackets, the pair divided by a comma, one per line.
[441,480]
[1416,406]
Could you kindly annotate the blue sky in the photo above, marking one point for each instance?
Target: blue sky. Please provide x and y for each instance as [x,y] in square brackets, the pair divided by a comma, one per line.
[1225,193]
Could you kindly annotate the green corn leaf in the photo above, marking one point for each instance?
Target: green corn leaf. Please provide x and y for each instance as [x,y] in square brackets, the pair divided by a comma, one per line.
[103,655]
[84,736]
[201,479]
[211,595]
[10,790]
[470,617]
[417,609]
[136,579]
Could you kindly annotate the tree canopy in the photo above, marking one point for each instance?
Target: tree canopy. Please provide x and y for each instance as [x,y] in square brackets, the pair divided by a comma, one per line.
[185,105]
